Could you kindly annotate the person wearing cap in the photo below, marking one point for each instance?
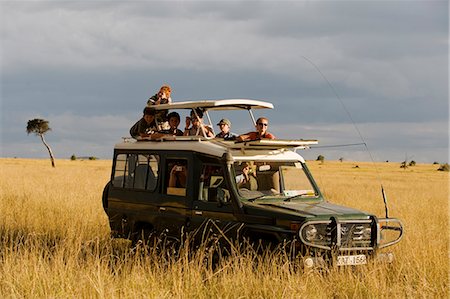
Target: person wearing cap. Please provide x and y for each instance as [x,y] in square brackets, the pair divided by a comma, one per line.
[225,126]
[146,126]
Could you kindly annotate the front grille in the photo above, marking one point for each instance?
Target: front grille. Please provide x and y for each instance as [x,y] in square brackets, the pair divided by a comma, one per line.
[355,235]
[348,235]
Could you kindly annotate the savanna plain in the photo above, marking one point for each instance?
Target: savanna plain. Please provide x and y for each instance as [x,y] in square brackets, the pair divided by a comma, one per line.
[55,240]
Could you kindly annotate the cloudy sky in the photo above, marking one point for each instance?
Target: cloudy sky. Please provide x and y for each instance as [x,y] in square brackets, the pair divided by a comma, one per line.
[89,67]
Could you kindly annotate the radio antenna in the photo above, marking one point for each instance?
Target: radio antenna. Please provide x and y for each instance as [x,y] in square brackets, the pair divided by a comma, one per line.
[356,128]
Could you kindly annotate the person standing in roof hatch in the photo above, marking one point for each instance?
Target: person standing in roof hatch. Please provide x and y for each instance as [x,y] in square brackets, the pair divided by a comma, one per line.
[162,97]
[225,126]
[262,125]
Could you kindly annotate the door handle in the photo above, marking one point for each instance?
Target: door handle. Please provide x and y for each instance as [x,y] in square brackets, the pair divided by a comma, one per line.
[198,213]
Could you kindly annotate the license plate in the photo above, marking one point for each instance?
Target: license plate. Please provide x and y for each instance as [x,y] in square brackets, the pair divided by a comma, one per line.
[350,260]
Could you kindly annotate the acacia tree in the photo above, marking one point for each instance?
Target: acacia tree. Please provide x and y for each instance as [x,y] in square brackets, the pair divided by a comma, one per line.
[40,127]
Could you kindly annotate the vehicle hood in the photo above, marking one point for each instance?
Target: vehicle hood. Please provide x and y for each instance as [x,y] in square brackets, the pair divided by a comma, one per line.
[312,209]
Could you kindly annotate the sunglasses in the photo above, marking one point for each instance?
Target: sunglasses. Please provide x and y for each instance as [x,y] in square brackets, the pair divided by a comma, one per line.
[263,124]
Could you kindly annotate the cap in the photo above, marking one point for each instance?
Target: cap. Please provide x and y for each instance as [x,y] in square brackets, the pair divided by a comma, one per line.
[225,121]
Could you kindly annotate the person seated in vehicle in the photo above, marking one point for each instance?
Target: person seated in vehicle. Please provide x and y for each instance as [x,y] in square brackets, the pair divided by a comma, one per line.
[225,126]
[197,128]
[261,132]
[146,126]
[247,179]
[174,121]
[178,176]
[162,97]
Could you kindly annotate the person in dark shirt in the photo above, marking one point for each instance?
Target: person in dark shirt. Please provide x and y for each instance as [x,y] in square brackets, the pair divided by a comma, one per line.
[174,121]
[146,126]
[162,97]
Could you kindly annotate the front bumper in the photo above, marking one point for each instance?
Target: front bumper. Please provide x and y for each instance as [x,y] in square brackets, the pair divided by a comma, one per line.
[351,235]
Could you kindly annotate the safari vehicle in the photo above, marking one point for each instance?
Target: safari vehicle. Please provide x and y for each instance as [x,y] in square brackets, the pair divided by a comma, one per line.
[177,185]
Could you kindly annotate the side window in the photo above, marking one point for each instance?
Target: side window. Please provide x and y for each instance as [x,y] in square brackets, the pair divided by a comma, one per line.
[136,171]
[119,171]
[177,176]
[152,176]
[213,186]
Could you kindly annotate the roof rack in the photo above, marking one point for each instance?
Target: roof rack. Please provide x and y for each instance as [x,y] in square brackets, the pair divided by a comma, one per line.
[169,138]
[272,144]
[253,144]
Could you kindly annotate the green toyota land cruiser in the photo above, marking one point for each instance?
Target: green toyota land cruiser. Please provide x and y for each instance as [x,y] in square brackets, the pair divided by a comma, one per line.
[259,190]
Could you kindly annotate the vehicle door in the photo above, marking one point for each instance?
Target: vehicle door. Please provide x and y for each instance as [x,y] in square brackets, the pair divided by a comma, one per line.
[134,195]
[177,193]
[212,211]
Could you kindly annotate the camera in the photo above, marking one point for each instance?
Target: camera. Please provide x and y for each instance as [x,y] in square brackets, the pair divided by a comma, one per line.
[178,168]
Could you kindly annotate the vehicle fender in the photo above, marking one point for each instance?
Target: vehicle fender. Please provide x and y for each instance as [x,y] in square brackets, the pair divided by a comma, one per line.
[105,196]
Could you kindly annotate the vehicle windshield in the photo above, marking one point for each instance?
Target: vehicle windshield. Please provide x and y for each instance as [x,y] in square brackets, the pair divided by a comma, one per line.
[267,179]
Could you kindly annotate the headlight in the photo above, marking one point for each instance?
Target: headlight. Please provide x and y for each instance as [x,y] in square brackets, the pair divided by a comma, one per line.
[315,234]
[310,232]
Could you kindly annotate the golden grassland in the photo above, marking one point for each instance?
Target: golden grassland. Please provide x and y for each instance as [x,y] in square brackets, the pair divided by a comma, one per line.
[54,240]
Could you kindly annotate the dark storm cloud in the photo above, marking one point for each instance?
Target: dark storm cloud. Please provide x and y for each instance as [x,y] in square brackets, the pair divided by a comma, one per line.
[95,93]
[89,67]
[328,18]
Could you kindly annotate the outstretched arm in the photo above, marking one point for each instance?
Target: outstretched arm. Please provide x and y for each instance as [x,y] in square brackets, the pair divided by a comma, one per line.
[243,137]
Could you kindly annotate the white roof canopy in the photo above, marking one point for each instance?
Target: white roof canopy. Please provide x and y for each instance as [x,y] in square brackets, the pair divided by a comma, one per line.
[225,104]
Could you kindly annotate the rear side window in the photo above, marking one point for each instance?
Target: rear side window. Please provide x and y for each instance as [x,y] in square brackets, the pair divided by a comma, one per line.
[136,171]
[177,176]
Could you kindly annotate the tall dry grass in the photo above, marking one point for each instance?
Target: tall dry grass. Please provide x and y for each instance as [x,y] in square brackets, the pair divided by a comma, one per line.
[54,240]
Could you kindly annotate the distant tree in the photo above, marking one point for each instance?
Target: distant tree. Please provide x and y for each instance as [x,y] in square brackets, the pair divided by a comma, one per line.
[320,158]
[412,163]
[435,163]
[444,167]
[40,127]
[405,163]
[73,157]
[92,158]
[341,159]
